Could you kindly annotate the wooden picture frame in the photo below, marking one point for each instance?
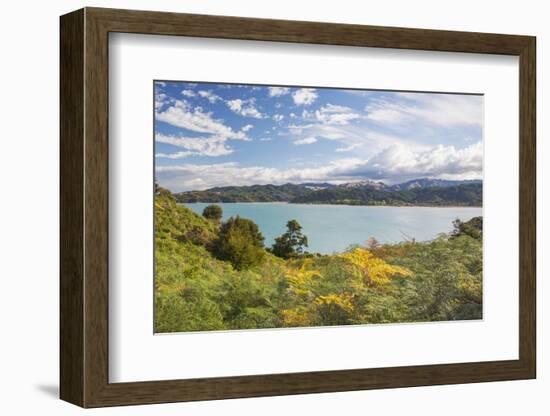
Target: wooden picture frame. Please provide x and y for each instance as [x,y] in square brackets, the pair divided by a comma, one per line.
[84,207]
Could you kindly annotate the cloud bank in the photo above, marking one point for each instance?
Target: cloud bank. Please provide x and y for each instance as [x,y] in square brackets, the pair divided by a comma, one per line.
[392,165]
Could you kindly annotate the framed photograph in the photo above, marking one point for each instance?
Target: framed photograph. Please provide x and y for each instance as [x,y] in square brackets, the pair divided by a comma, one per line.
[255,207]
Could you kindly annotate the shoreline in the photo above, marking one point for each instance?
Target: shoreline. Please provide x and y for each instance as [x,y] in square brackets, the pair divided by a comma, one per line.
[343,205]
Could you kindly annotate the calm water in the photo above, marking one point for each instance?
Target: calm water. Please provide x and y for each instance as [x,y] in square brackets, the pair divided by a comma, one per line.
[332,228]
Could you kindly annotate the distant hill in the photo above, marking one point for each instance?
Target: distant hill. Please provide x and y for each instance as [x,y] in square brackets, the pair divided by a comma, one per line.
[418,192]
[430,183]
[253,193]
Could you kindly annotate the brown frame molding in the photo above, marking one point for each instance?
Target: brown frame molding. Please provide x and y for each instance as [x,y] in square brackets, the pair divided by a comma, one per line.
[84,207]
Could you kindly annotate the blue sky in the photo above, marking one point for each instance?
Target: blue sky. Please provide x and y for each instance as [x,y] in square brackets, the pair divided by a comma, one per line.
[209,134]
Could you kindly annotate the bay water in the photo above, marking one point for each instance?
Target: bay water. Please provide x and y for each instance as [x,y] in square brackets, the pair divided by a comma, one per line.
[333,228]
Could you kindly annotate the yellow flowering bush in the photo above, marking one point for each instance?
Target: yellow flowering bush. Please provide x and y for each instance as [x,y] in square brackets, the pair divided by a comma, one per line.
[373,270]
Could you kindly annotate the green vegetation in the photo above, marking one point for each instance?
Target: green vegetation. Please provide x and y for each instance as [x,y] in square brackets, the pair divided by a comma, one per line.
[460,195]
[213,277]
[472,228]
[213,212]
[253,193]
[432,193]
[291,243]
[240,243]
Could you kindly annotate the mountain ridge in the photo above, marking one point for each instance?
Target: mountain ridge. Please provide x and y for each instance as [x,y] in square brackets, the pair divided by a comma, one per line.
[416,192]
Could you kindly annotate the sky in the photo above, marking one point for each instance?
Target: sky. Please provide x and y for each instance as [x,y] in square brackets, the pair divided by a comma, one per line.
[214,134]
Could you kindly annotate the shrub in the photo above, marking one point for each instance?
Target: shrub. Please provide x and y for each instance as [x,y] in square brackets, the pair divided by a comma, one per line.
[213,212]
[240,242]
[334,309]
[472,228]
[196,235]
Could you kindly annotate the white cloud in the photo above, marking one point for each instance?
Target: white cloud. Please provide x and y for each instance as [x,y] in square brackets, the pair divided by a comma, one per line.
[181,114]
[305,96]
[177,155]
[364,138]
[333,108]
[306,140]
[444,110]
[210,96]
[266,139]
[247,127]
[194,146]
[278,117]
[278,91]
[331,132]
[348,148]
[160,100]
[195,177]
[188,93]
[235,105]
[394,164]
[245,108]
[385,115]
[399,162]
[336,114]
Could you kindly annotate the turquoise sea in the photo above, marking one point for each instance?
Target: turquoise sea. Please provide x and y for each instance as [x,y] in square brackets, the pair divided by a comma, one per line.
[332,228]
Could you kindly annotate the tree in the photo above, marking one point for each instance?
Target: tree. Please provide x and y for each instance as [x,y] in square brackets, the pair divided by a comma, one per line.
[373,243]
[240,242]
[472,228]
[213,212]
[291,243]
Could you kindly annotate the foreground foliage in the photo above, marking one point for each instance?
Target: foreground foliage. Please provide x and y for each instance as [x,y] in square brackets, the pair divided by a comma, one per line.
[209,278]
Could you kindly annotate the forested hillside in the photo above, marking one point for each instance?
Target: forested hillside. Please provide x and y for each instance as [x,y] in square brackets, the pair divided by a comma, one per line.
[213,276]
[420,192]
[459,195]
[253,193]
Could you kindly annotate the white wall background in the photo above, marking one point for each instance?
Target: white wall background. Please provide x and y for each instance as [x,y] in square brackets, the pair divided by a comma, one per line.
[29,209]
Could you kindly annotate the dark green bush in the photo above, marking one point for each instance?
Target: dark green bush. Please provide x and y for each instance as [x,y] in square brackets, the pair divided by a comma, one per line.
[291,243]
[213,212]
[240,242]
